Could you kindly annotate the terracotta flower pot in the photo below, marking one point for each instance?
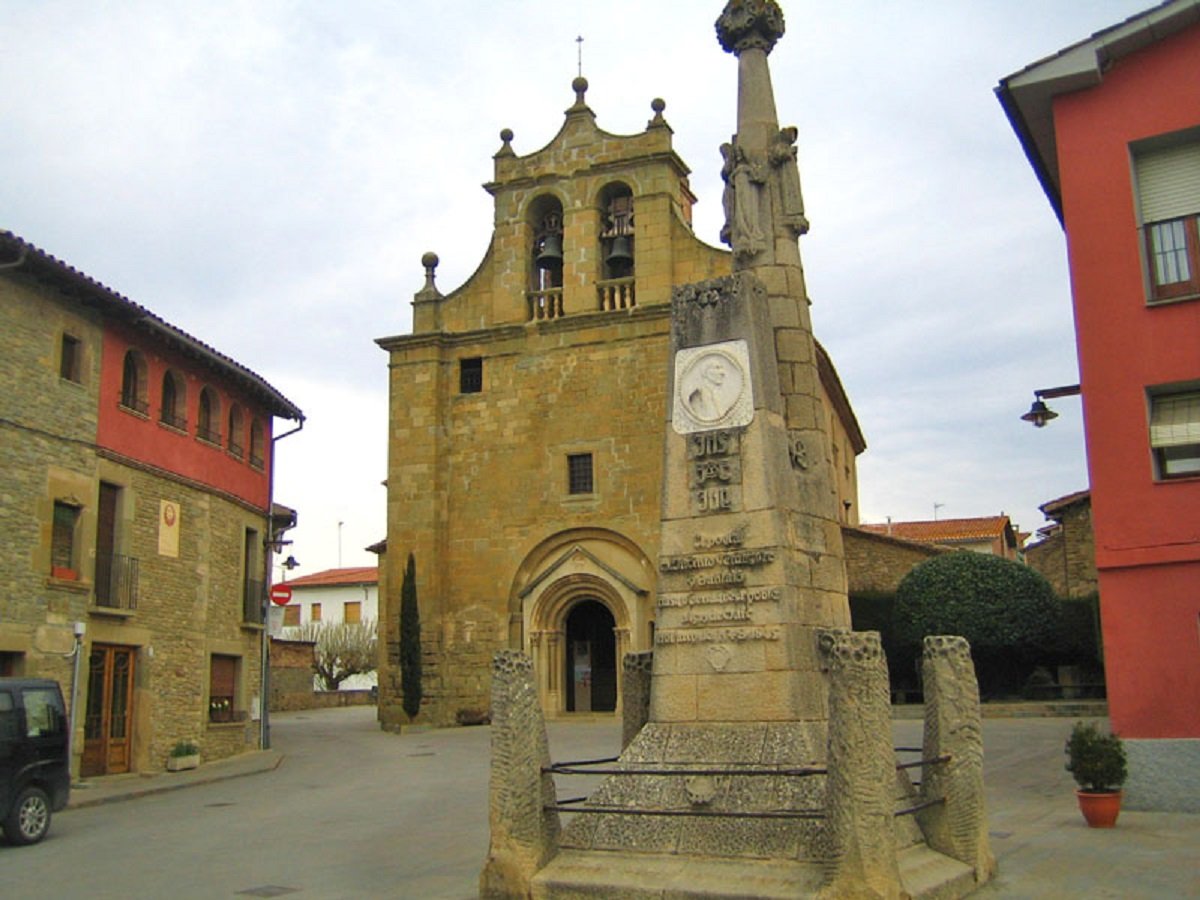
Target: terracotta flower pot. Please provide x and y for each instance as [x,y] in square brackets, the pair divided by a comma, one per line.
[1100,808]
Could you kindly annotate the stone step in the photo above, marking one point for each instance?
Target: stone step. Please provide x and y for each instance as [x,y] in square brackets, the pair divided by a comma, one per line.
[577,874]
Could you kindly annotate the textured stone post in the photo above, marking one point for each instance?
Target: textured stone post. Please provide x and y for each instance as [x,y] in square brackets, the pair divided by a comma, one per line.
[860,789]
[524,836]
[958,826]
[635,691]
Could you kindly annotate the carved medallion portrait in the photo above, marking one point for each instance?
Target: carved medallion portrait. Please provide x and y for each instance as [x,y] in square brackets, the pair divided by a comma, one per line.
[712,387]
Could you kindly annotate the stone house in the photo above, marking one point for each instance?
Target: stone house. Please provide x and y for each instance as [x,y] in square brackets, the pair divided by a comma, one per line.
[334,596]
[136,518]
[995,535]
[1066,550]
[526,421]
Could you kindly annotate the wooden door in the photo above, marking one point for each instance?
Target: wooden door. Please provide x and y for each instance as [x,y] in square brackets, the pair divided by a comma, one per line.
[108,722]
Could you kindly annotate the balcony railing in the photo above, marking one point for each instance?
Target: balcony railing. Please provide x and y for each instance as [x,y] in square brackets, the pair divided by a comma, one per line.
[253,596]
[544,304]
[616,293]
[117,582]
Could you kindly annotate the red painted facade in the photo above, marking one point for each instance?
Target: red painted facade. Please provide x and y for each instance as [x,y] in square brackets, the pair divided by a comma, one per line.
[1147,530]
[145,438]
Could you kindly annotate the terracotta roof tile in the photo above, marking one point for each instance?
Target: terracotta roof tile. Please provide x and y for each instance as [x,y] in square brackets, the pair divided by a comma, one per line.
[944,531]
[333,577]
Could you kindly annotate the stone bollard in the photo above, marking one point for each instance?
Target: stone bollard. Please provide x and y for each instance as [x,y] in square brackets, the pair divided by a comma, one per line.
[635,694]
[956,827]
[860,789]
[524,835]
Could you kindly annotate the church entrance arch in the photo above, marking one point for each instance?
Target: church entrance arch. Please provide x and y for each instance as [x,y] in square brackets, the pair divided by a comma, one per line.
[580,601]
[591,677]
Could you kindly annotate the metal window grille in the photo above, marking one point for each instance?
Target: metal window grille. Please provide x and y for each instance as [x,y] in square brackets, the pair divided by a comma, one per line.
[579,474]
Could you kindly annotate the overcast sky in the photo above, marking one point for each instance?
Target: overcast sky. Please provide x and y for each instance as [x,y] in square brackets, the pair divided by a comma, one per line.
[266,175]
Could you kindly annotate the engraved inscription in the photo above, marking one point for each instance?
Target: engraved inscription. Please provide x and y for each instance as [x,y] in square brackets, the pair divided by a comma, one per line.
[733,538]
[712,443]
[714,499]
[719,635]
[751,595]
[710,470]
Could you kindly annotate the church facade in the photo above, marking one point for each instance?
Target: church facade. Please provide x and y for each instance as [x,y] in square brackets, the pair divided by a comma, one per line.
[526,417]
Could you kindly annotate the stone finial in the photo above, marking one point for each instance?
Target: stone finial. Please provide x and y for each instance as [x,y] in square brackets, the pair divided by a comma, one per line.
[746,24]
[506,137]
[957,824]
[430,261]
[635,694]
[524,834]
[579,85]
[860,787]
[657,105]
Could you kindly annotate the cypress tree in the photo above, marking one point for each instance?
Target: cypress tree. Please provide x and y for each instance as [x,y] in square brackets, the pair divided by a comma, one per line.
[410,641]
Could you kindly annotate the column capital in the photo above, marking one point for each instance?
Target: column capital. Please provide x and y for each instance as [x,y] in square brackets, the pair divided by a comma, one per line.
[747,24]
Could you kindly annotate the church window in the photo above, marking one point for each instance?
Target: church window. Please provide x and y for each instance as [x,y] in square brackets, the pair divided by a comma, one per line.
[615,286]
[545,259]
[470,375]
[579,474]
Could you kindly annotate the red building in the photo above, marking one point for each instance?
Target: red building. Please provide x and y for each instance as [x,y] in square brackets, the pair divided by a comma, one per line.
[1111,126]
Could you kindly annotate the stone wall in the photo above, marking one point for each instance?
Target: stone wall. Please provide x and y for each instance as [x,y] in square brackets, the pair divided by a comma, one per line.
[877,563]
[1067,557]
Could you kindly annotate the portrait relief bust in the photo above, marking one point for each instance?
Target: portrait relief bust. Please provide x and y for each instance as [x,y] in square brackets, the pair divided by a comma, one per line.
[712,387]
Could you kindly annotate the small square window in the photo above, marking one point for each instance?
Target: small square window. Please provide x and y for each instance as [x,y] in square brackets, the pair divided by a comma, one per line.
[352,613]
[62,540]
[314,613]
[470,375]
[291,616]
[579,474]
[69,366]
[1175,433]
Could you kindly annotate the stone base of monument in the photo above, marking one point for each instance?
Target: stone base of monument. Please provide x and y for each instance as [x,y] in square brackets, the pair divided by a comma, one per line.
[924,873]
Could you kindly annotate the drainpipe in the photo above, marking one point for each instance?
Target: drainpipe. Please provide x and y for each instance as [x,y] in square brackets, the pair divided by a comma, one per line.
[264,712]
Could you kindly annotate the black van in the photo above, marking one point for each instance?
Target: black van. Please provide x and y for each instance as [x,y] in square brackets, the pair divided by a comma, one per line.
[35,773]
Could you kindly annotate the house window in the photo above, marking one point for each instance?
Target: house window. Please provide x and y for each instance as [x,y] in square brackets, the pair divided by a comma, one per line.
[291,616]
[208,416]
[133,383]
[222,688]
[256,444]
[579,473]
[314,613]
[62,540]
[237,431]
[470,375]
[253,594]
[352,613]
[1175,433]
[173,401]
[69,361]
[1168,182]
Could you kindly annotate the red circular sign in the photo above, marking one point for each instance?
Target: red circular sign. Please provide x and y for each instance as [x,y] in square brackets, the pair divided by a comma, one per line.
[281,594]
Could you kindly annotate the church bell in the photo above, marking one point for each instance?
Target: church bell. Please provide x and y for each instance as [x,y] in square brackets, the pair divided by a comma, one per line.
[620,253]
[550,256]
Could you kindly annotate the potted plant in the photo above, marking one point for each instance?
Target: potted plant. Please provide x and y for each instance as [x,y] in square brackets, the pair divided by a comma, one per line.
[1097,762]
[184,755]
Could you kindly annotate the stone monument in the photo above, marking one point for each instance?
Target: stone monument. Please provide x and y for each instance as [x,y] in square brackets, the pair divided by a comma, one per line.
[764,765]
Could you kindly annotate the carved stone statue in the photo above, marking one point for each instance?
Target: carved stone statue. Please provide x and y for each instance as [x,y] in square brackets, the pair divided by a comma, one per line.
[743,186]
[782,156]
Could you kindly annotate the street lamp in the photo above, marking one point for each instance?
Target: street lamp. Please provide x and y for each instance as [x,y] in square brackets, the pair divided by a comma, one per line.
[1039,413]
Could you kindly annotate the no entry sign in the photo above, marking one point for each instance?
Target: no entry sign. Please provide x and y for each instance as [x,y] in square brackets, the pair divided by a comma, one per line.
[281,594]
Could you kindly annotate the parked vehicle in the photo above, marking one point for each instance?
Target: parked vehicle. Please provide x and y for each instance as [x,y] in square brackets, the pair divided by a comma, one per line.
[35,773]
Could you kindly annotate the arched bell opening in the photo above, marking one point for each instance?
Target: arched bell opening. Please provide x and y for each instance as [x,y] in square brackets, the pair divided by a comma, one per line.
[546,257]
[616,231]
[591,658]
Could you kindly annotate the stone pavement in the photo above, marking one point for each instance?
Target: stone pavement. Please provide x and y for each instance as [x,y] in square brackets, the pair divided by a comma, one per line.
[1042,845]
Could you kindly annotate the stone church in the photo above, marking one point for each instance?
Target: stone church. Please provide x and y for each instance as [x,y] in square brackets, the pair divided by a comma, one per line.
[526,418]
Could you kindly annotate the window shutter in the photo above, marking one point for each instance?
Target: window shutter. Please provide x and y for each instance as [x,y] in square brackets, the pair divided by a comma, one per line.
[1175,420]
[1169,182]
[224,676]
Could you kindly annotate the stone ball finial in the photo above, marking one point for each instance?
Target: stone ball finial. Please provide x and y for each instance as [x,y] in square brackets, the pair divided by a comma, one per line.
[429,260]
[579,85]
[657,105]
[746,24]
[506,135]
